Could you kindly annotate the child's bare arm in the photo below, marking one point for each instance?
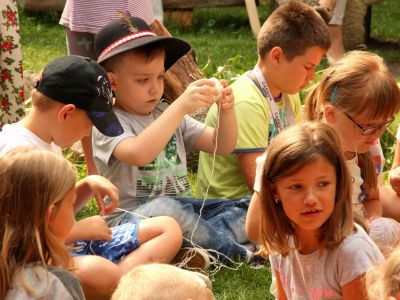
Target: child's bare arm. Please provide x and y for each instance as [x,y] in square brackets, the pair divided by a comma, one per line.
[145,147]
[247,163]
[373,206]
[355,289]
[253,219]
[280,292]
[226,137]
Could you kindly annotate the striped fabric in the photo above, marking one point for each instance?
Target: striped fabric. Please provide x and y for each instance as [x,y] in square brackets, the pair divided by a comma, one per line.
[92,15]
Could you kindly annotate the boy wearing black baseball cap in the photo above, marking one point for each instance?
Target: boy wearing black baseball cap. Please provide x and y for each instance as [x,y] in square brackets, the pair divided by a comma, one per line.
[149,158]
[74,94]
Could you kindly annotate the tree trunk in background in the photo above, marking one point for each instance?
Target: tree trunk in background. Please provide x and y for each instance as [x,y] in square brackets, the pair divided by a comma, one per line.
[182,73]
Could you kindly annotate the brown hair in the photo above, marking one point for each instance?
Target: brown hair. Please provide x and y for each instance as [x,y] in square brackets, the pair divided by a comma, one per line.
[30,182]
[291,150]
[294,27]
[358,82]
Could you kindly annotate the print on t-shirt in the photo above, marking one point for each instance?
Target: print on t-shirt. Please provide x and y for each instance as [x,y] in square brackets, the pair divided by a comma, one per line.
[165,175]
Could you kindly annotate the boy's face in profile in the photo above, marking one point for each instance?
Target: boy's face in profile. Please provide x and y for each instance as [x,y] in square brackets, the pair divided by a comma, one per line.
[138,82]
[294,75]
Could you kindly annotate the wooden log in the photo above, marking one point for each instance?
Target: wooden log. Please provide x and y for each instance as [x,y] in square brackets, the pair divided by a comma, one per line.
[188,4]
[182,73]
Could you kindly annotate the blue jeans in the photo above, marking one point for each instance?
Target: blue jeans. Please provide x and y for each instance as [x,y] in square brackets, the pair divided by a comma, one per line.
[220,228]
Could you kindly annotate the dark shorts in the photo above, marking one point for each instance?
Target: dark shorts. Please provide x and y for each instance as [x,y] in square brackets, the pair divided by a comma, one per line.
[124,241]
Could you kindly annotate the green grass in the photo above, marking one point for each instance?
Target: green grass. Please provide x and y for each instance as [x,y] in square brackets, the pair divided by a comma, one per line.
[223,40]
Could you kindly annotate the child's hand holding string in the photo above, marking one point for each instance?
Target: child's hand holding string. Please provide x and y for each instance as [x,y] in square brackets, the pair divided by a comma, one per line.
[226,100]
[200,93]
[100,188]
[90,229]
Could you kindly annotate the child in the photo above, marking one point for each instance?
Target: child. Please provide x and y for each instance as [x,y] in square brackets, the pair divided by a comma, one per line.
[383,282]
[359,97]
[283,70]
[37,195]
[73,93]
[163,282]
[303,217]
[149,159]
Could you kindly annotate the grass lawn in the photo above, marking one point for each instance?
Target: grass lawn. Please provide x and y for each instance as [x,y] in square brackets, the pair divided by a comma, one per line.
[221,38]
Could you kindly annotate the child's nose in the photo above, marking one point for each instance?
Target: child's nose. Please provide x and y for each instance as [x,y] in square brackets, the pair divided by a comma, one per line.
[310,198]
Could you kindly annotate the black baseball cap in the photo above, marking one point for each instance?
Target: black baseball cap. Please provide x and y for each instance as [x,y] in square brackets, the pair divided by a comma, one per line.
[125,34]
[81,81]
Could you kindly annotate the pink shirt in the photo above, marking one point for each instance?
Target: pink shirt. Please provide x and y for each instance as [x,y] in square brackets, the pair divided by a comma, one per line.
[92,15]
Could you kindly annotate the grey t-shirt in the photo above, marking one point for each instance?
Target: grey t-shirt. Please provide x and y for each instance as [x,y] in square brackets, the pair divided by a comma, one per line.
[165,175]
[54,284]
[322,275]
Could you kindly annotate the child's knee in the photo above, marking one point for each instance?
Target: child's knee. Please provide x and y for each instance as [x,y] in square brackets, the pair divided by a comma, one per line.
[171,227]
[90,266]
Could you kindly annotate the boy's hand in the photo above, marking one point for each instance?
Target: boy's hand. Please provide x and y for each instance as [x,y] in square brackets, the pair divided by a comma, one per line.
[227,100]
[102,187]
[394,179]
[90,229]
[200,93]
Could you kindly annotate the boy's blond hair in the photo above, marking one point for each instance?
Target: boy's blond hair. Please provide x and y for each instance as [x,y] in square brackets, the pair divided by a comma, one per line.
[384,281]
[163,282]
[294,27]
[41,101]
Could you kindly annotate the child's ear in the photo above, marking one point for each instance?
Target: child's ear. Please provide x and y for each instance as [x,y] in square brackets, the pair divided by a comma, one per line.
[276,55]
[329,112]
[64,112]
[50,213]
[113,80]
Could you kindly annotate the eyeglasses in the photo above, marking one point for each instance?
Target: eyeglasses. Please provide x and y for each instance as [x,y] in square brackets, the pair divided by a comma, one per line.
[369,130]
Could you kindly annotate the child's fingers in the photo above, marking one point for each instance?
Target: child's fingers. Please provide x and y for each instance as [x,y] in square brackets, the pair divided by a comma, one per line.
[202,82]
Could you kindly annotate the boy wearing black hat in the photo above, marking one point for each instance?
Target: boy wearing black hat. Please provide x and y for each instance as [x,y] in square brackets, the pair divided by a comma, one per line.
[72,95]
[149,158]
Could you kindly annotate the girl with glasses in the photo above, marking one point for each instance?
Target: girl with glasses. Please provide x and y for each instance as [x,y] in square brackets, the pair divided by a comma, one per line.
[358,97]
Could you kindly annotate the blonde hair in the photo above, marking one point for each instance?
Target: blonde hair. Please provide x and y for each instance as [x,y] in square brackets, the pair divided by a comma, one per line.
[162,282]
[291,150]
[384,280]
[31,181]
[41,101]
[358,82]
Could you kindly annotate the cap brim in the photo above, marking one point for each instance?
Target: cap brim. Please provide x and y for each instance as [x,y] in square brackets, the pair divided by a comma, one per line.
[106,122]
[174,48]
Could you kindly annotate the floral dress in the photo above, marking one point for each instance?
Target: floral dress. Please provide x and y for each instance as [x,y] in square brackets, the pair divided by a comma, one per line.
[11,83]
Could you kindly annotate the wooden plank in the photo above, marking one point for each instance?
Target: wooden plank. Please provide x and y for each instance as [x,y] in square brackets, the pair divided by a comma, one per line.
[253,16]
